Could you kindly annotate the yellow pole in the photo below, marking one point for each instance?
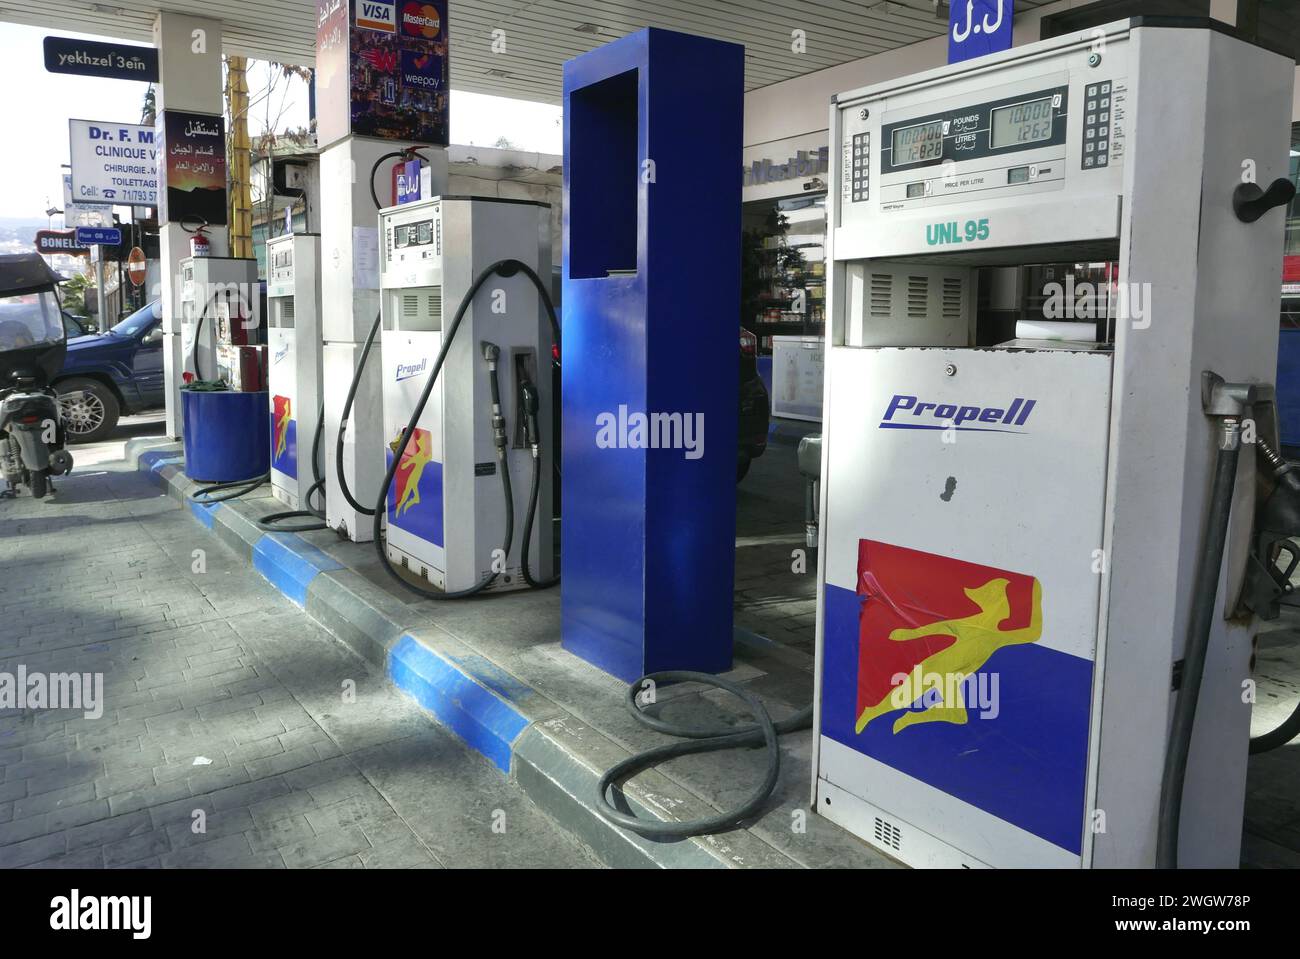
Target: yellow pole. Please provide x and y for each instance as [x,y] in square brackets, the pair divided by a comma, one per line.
[240,152]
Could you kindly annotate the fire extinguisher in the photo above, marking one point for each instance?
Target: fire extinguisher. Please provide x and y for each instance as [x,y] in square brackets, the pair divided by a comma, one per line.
[405,175]
[200,245]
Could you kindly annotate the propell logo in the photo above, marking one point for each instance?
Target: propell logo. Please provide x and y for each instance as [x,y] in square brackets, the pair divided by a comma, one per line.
[76,912]
[407,370]
[281,353]
[909,413]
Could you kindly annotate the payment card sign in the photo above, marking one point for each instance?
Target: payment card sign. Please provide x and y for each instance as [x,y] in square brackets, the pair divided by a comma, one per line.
[937,667]
[380,15]
[284,437]
[415,500]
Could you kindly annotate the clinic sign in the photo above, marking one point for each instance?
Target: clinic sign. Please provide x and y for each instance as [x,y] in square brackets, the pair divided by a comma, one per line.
[978,27]
[113,163]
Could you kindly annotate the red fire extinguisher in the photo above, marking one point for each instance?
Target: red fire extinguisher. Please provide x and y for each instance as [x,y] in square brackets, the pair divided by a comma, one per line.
[200,245]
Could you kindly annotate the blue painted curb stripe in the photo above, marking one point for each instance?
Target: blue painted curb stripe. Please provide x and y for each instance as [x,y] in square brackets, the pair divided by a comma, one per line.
[462,702]
[290,563]
[204,514]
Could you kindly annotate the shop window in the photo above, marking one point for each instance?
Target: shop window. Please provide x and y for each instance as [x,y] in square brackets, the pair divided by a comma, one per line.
[783,278]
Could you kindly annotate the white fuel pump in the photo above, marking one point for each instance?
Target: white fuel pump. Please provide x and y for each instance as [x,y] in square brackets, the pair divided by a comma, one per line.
[294,375]
[1011,530]
[455,267]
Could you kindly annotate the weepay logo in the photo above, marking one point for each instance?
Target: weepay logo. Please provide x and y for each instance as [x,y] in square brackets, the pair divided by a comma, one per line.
[952,415]
[407,370]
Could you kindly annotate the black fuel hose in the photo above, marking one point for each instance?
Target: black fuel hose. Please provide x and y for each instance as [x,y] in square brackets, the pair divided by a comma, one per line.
[204,496]
[1204,602]
[347,411]
[269,522]
[530,399]
[700,739]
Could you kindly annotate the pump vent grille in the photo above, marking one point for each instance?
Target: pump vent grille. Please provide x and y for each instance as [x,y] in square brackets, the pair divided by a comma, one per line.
[421,310]
[286,309]
[952,297]
[918,293]
[882,294]
[887,834]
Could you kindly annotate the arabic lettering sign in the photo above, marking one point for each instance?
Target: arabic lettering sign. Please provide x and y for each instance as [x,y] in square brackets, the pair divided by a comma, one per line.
[979,27]
[112,163]
[98,236]
[90,58]
[193,167]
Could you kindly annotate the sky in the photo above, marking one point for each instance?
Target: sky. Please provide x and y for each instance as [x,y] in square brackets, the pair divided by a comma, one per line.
[30,166]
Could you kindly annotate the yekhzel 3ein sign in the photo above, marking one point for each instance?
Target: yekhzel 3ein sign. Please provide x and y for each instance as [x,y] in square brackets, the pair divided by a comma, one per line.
[113,163]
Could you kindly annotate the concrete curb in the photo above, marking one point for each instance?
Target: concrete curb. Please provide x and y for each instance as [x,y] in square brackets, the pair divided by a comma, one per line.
[552,755]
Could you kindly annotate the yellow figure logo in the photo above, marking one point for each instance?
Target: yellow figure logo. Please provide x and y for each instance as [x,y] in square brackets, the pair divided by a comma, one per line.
[283,414]
[977,637]
[418,455]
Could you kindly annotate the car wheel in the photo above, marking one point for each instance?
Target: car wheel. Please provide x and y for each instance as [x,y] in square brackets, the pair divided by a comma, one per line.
[742,467]
[89,409]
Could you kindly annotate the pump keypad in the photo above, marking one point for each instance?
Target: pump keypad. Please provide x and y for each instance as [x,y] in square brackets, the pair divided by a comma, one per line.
[861,166]
[1096,125]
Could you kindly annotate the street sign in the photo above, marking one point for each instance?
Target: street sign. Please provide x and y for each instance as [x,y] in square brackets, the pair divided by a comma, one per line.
[136,266]
[979,27]
[113,163]
[98,236]
[59,241]
[90,58]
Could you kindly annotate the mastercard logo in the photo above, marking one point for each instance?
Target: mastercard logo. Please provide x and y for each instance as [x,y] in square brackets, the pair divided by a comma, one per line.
[421,20]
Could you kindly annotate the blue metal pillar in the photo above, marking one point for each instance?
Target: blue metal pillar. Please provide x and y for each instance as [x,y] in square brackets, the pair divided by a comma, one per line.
[652,194]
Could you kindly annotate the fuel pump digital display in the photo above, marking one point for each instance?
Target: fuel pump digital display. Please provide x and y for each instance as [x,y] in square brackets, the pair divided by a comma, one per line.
[916,143]
[1021,123]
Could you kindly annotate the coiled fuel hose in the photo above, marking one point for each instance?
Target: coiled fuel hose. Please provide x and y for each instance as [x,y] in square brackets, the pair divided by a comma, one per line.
[270,521]
[699,739]
[505,268]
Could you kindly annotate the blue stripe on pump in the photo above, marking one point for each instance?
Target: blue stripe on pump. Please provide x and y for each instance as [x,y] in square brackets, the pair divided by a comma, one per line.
[469,706]
[290,563]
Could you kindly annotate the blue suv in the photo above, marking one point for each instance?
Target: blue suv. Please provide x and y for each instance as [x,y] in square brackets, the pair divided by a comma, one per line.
[106,375]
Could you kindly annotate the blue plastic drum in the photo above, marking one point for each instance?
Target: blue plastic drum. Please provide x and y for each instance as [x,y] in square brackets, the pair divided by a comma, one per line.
[227,435]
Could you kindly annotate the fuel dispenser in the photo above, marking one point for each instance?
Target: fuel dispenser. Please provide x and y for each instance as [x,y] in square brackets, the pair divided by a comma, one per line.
[456,267]
[294,375]
[1022,608]
[221,321]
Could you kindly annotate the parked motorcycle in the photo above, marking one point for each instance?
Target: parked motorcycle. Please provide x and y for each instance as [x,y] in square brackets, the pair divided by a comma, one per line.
[32,347]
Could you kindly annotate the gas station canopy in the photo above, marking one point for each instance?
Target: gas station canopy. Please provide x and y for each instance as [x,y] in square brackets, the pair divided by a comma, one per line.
[542,35]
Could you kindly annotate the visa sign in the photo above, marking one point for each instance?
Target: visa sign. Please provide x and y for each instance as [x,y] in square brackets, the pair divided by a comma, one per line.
[943,416]
[978,27]
[379,15]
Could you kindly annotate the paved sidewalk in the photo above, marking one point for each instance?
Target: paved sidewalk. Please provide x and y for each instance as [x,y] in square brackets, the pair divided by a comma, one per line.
[235,732]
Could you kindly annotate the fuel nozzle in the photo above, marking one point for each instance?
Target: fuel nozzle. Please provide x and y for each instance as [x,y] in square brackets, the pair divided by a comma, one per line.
[530,400]
[492,353]
[1274,557]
